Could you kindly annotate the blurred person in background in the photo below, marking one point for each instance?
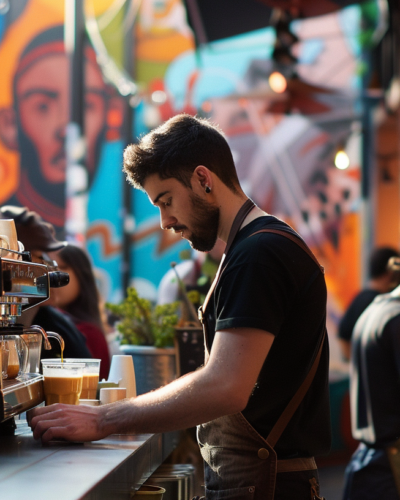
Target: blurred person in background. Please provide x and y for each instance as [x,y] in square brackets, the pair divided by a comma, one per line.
[374,470]
[38,237]
[381,280]
[81,301]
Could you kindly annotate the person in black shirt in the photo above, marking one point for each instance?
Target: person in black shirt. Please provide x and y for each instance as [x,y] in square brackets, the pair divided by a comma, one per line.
[375,401]
[265,327]
[381,281]
[38,237]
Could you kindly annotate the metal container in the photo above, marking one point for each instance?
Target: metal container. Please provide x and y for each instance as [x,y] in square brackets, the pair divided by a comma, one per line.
[175,486]
[179,480]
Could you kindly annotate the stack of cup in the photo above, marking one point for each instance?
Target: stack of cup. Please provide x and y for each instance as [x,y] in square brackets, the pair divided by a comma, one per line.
[122,373]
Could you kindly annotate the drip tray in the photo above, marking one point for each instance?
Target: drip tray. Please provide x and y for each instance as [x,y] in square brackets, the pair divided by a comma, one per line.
[21,394]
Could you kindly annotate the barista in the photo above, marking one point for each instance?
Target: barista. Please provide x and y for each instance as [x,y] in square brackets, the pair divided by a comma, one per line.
[38,237]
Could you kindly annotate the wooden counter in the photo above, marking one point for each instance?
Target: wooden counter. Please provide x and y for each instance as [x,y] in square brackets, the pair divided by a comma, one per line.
[107,469]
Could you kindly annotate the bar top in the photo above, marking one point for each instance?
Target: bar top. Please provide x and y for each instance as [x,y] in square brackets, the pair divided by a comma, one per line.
[75,471]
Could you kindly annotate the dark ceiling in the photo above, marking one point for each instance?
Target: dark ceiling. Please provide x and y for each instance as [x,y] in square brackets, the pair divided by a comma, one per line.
[218,19]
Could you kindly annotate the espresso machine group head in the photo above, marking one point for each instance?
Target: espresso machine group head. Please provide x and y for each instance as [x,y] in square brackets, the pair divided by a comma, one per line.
[24,284]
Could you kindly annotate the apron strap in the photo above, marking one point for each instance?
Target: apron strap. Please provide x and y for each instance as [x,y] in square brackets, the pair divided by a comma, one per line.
[296,240]
[294,403]
[244,210]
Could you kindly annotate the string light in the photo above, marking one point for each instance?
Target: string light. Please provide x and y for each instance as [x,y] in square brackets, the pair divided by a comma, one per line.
[342,161]
[277,82]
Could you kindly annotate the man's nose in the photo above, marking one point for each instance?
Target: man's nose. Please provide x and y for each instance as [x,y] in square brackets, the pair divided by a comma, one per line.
[166,221]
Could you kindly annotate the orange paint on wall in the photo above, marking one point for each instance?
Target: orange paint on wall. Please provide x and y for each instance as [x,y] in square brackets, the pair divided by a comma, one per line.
[162,47]
[387,182]
[343,265]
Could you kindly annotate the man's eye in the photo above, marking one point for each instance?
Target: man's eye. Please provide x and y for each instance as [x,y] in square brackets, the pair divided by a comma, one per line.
[167,203]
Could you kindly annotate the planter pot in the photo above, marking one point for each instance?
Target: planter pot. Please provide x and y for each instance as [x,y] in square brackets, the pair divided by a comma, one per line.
[154,367]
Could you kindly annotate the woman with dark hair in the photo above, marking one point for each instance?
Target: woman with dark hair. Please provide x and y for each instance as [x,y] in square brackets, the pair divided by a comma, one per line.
[80,300]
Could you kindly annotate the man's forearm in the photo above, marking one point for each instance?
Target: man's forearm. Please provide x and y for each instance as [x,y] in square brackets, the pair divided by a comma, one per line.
[193,399]
[220,388]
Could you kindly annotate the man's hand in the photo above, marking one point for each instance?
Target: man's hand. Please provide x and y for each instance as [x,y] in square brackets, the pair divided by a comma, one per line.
[72,423]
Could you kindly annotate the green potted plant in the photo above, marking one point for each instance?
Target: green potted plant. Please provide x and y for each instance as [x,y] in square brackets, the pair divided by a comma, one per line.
[147,333]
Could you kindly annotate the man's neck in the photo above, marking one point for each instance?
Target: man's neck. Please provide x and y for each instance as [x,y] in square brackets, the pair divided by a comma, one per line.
[232,208]
[254,214]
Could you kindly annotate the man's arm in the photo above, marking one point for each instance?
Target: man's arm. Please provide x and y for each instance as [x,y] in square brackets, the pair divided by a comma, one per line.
[220,388]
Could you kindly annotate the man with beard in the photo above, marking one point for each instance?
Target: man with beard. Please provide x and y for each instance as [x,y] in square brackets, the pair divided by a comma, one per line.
[36,124]
[261,413]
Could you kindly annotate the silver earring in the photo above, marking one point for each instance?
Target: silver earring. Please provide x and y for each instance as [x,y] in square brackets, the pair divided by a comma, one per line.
[207,189]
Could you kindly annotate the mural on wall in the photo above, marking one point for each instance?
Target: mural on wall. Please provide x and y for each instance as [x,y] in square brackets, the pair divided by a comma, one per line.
[34,113]
[34,108]
[283,146]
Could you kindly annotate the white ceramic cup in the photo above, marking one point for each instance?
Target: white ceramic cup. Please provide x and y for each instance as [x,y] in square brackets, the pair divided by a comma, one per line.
[122,370]
[112,394]
[8,238]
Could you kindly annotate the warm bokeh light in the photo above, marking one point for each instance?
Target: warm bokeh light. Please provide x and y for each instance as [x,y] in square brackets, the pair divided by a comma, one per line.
[277,82]
[342,160]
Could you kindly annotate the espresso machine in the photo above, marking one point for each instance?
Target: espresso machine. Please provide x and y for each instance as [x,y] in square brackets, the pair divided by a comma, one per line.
[23,284]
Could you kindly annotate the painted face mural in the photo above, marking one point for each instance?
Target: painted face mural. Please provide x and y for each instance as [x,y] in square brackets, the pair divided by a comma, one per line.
[36,123]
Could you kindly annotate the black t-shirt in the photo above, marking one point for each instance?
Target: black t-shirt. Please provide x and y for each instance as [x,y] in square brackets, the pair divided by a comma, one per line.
[376,367]
[53,320]
[358,305]
[270,283]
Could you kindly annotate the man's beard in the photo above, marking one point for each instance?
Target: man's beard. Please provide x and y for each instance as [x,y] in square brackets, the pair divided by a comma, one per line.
[204,224]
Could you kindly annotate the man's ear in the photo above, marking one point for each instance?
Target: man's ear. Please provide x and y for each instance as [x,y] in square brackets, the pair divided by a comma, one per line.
[202,176]
[8,128]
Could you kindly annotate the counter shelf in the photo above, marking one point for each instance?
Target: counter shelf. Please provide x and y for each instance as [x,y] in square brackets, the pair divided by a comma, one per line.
[109,468]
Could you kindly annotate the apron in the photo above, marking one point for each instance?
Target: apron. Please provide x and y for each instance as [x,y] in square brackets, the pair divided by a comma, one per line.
[238,462]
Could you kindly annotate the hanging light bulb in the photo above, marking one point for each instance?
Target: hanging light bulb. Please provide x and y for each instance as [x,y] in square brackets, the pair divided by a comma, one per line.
[277,82]
[342,161]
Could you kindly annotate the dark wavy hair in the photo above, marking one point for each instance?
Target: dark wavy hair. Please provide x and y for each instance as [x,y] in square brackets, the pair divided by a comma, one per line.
[176,148]
[86,306]
[379,260]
